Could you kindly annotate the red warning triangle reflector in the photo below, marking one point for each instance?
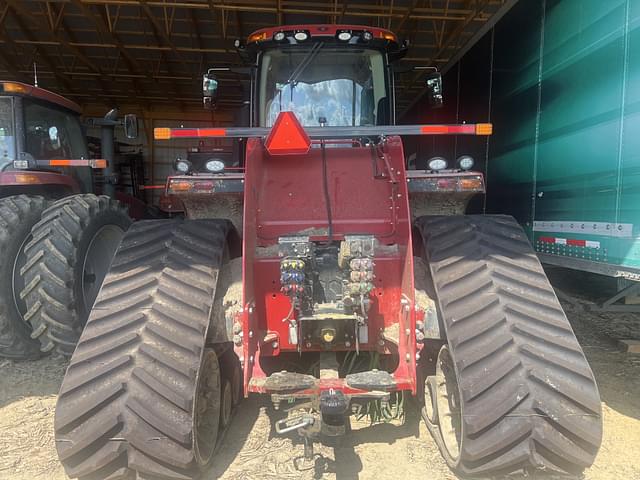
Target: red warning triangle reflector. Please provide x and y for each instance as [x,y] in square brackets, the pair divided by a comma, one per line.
[287,137]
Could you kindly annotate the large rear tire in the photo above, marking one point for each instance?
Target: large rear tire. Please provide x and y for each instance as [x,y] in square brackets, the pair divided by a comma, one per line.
[17,215]
[67,258]
[514,391]
[142,394]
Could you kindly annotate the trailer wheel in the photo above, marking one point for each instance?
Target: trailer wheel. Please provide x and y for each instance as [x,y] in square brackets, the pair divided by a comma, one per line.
[142,395]
[17,215]
[67,258]
[514,390]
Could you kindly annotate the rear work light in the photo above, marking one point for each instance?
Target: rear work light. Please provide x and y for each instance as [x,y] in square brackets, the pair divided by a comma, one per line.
[465,162]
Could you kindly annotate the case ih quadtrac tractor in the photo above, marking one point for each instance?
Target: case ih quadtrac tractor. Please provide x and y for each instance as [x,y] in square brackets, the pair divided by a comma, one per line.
[319,275]
[56,237]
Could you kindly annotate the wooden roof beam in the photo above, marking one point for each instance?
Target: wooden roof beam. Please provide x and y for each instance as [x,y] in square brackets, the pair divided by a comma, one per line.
[5,57]
[304,8]
[102,27]
[21,12]
[62,80]
[128,47]
[60,22]
[456,34]
[159,31]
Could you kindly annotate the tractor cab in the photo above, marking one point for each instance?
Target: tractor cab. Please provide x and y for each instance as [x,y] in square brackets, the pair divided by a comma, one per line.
[327,75]
[41,133]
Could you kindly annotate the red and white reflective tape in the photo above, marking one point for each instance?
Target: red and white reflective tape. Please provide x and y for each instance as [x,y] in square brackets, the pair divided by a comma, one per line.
[572,242]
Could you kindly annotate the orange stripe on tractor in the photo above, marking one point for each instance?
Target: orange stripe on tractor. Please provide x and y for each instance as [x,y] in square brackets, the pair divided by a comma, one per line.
[59,162]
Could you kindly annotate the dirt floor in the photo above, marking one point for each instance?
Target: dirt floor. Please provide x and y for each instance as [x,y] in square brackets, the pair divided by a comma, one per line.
[250,449]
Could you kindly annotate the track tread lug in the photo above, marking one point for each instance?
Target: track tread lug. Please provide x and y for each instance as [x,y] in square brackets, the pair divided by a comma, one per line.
[137,361]
[529,398]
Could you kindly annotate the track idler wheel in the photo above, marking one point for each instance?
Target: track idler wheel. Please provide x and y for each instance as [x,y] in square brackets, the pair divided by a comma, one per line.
[448,408]
[430,409]
[226,403]
[208,403]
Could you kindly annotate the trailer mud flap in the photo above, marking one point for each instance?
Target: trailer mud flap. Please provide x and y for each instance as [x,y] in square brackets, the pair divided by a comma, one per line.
[513,390]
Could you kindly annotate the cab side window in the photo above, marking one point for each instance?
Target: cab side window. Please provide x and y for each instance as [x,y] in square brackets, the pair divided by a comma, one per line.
[52,133]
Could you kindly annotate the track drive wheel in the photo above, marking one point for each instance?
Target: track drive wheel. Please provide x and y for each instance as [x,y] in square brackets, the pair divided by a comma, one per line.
[67,258]
[17,215]
[143,394]
[513,390]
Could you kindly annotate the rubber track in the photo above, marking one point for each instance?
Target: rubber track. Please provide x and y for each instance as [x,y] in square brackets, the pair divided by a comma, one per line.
[54,309]
[126,403]
[529,398]
[17,214]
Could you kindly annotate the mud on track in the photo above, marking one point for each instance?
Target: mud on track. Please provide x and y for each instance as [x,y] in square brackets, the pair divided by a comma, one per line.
[251,450]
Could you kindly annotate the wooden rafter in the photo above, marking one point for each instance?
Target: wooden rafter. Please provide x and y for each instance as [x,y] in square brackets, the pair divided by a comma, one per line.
[6,57]
[104,28]
[20,10]
[159,34]
[454,36]
[301,7]
[48,61]
[159,31]
[150,48]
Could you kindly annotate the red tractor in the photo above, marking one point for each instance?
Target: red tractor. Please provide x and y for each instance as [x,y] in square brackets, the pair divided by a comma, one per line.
[323,274]
[56,236]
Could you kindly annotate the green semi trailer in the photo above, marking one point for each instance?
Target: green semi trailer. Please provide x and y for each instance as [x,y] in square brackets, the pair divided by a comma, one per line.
[561,81]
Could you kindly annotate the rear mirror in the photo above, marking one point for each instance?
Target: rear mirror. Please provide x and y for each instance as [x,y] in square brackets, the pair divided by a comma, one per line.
[209,89]
[131,126]
[433,82]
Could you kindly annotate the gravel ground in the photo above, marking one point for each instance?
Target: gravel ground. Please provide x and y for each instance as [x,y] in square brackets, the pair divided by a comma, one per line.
[251,450]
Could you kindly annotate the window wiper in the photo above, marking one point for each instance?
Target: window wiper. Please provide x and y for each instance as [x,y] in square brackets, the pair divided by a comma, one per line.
[293,78]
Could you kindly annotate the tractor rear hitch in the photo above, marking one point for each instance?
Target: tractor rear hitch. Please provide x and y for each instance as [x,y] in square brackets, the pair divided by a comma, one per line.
[291,424]
[304,424]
